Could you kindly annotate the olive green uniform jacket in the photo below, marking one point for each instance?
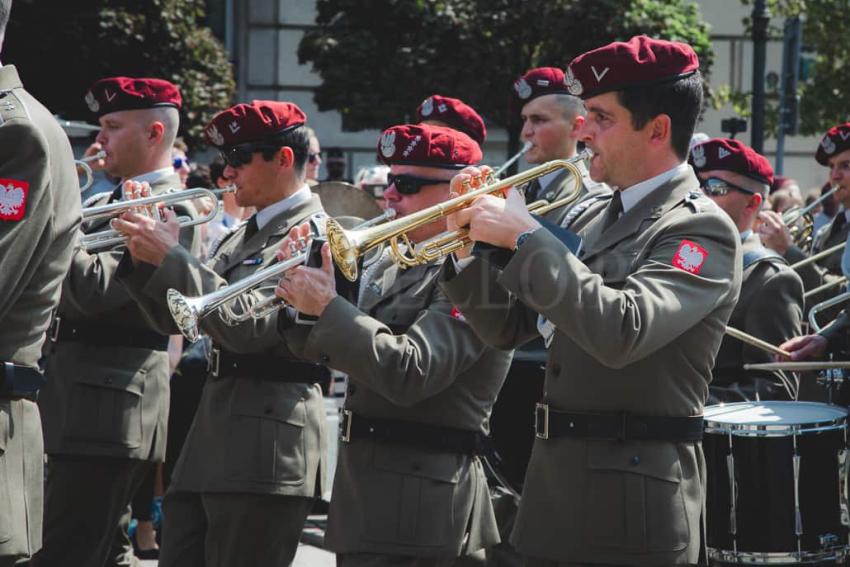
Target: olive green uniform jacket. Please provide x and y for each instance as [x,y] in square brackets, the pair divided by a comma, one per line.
[35,252]
[249,435]
[634,333]
[409,356]
[101,399]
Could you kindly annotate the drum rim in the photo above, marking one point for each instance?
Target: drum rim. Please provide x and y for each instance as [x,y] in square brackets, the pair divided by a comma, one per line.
[715,425]
[836,553]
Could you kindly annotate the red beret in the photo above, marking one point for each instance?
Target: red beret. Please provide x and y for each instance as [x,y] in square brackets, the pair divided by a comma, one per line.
[731,155]
[253,122]
[126,93]
[428,145]
[538,82]
[639,62]
[455,113]
[835,141]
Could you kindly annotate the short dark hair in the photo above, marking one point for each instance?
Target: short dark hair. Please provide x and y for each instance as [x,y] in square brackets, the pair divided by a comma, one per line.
[5,8]
[298,139]
[681,100]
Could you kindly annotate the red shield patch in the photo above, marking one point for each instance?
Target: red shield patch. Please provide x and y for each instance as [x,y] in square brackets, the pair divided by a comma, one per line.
[690,257]
[13,199]
[457,314]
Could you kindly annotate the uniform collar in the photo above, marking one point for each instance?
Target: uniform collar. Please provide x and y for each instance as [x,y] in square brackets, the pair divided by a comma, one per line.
[302,195]
[631,196]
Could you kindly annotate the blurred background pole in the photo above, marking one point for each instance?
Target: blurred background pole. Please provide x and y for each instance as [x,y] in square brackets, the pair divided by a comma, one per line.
[788,101]
[761,18]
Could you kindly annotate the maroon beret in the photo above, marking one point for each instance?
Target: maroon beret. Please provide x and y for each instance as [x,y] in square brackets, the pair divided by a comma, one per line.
[428,145]
[538,82]
[731,155]
[639,62]
[835,141]
[253,122]
[126,93]
[455,113]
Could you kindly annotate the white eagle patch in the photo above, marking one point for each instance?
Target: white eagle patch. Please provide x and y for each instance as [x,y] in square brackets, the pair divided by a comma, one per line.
[92,103]
[828,145]
[13,198]
[574,86]
[215,136]
[427,107]
[690,257]
[698,156]
[388,144]
[522,88]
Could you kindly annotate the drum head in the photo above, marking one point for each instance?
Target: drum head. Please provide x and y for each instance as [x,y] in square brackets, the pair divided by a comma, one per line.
[343,199]
[772,415]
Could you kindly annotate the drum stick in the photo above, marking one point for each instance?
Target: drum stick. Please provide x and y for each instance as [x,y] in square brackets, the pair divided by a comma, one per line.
[796,366]
[756,342]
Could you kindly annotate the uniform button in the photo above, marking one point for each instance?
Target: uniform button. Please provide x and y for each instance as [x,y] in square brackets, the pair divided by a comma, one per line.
[635,460]
[324,358]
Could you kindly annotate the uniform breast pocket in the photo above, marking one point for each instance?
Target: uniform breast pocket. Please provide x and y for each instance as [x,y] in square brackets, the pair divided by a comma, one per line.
[411,496]
[266,438]
[106,407]
[5,494]
[635,500]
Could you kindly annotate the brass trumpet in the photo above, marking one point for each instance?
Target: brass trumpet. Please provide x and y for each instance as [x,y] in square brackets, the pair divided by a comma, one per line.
[84,165]
[109,238]
[800,221]
[347,246]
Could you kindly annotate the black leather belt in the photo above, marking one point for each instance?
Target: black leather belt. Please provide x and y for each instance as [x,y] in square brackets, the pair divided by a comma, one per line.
[422,435]
[18,381]
[621,427]
[105,335]
[225,364]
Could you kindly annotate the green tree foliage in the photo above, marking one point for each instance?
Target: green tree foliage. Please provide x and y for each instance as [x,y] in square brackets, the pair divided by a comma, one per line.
[61,48]
[823,91]
[379,60]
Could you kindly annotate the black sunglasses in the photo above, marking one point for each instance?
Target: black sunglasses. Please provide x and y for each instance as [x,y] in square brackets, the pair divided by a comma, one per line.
[239,155]
[410,184]
[376,190]
[715,187]
[313,157]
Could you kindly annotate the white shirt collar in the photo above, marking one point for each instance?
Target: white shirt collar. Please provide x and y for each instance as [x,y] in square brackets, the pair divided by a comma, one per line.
[151,177]
[631,196]
[268,213]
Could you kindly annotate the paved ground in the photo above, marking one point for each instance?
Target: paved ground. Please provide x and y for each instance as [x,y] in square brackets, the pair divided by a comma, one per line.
[308,556]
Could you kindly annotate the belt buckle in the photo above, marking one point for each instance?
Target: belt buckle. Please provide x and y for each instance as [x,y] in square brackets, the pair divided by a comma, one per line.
[541,421]
[345,426]
[54,329]
[215,356]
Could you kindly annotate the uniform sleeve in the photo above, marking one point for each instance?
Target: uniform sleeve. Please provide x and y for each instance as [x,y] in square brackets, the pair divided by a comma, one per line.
[775,313]
[495,314]
[23,160]
[182,271]
[404,368]
[657,302]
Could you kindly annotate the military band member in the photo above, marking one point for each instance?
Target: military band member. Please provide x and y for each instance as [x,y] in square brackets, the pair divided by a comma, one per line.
[633,323]
[105,406]
[252,461]
[39,216]
[439,110]
[409,487]
[833,152]
[770,306]
[551,120]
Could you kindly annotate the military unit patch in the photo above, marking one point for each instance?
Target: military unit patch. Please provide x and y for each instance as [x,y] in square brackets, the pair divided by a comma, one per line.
[13,199]
[690,257]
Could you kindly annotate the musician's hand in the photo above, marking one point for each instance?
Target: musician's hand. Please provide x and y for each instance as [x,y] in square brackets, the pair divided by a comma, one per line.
[808,346]
[468,179]
[149,239]
[298,240]
[773,232]
[96,164]
[309,290]
[497,221]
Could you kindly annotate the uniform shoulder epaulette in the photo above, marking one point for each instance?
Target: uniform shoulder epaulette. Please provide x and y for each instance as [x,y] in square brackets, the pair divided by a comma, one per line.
[12,107]
[695,199]
[763,254]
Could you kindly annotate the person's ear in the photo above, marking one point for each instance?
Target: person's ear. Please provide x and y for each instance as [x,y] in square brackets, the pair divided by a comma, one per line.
[286,157]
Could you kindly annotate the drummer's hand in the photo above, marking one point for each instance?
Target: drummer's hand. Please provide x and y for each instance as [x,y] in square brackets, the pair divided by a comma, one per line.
[805,347]
[297,241]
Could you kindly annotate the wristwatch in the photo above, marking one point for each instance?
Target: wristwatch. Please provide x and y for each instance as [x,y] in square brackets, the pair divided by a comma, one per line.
[523,236]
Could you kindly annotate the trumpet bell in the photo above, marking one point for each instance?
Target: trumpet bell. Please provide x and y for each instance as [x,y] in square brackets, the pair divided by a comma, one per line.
[185,313]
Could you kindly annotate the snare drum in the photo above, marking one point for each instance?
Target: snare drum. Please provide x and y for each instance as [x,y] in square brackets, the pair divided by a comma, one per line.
[777,483]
